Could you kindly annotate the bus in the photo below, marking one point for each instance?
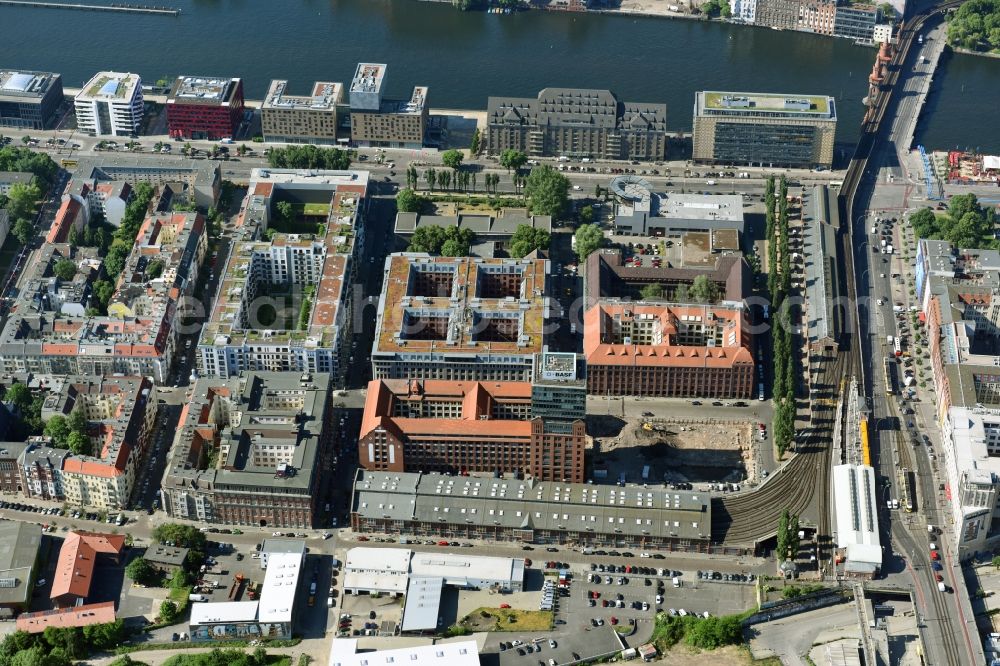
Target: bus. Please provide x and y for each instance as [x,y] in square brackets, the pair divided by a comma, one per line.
[909,495]
[891,387]
[897,346]
[68,164]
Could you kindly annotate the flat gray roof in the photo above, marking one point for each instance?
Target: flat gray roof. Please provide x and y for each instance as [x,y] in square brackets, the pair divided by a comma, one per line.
[19,543]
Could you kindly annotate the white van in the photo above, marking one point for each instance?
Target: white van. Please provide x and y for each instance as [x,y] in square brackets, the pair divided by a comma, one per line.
[676,581]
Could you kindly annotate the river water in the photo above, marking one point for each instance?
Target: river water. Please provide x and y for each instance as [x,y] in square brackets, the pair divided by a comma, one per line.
[465,57]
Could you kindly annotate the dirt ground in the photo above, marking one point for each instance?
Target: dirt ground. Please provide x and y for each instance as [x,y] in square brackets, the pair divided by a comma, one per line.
[681,655]
[675,450]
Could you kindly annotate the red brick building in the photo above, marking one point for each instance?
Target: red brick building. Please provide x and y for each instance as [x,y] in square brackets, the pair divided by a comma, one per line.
[690,351]
[464,426]
[205,108]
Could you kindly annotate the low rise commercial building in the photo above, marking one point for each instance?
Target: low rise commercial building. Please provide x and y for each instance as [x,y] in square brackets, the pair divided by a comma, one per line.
[269,618]
[65,618]
[78,558]
[854,499]
[491,234]
[377,121]
[577,122]
[253,449]
[460,427]
[202,107]
[639,211]
[19,546]
[459,318]
[311,118]
[764,129]
[286,304]
[110,104]
[30,100]
[166,558]
[529,511]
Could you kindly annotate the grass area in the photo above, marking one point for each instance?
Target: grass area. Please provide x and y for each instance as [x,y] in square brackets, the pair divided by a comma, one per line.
[208,659]
[507,619]
[188,645]
[316,209]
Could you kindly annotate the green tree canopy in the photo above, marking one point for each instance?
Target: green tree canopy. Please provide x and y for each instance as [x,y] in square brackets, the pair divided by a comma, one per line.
[142,572]
[186,536]
[652,292]
[114,261]
[704,290]
[512,159]
[23,231]
[309,157]
[547,190]
[154,269]
[18,394]
[102,293]
[58,429]
[408,201]
[976,26]
[24,159]
[526,239]
[22,199]
[452,158]
[427,239]
[589,237]
[79,443]
[168,612]
[64,269]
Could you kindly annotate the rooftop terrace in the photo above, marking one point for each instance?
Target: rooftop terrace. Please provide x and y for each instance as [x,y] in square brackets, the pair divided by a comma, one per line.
[766,103]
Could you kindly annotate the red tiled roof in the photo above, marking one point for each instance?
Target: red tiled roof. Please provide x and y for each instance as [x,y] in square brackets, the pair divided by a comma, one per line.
[75,568]
[78,616]
[63,222]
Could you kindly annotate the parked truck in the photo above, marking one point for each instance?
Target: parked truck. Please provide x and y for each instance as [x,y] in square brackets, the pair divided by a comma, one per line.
[197,597]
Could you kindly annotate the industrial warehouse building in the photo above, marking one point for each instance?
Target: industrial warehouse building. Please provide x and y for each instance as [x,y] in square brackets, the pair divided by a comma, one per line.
[423,577]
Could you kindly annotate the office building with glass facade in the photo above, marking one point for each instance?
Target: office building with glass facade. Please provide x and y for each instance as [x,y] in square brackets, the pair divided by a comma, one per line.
[764,129]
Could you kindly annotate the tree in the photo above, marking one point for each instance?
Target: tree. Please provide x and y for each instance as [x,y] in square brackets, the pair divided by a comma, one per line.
[452,159]
[996,561]
[887,11]
[64,269]
[19,395]
[427,239]
[408,201]
[458,242]
[548,191]
[22,198]
[309,157]
[168,612]
[141,571]
[26,139]
[976,26]
[101,295]
[925,223]
[681,294]
[782,545]
[652,292]
[58,429]
[587,215]
[512,159]
[430,175]
[589,237]
[114,261]
[79,443]
[185,536]
[476,139]
[526,239]
[24,231]
[704,290]
[105,636]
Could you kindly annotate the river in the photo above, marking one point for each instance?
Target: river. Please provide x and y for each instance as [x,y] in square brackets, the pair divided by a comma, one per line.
[465,57]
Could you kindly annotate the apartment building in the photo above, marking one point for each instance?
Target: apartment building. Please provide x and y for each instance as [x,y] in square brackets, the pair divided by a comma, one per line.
[959,300]
[818,16]
[198,181]
[530,511]
[51,332]
[10,472]
[204,107]
[743,11]
[460,427]
[110,104]
[764,129]
[30,100]
[311,118]
[781,14]
[577,122]
[253,449]
[9,179]
[459,318]
[377,121]
[257,322]
[121,413]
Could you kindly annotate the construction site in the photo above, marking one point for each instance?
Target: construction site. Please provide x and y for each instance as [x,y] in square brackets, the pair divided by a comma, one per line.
[675,451]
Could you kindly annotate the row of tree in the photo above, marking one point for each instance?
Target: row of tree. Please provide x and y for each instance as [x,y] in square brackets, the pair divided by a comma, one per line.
[779,276]
[976,26]
[60,646]
[444,241]
[788,536]
[309,157]
[701,290]
[123,238]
